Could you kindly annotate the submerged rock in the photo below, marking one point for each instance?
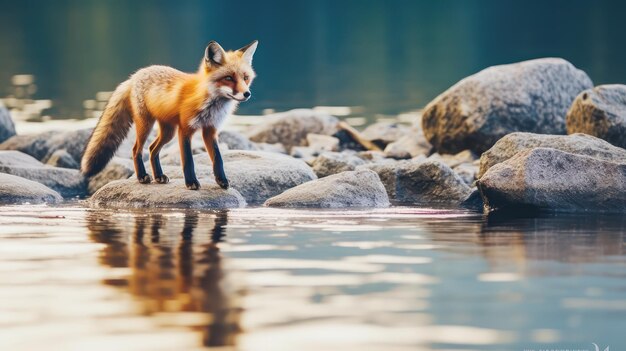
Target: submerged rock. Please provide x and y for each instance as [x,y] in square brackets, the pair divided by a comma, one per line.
[600,112]
[335,162]
[530,96]
[555,180]
[361,188]
[580,144]
[7,127]
[130,194]
[291,128]
[17,190]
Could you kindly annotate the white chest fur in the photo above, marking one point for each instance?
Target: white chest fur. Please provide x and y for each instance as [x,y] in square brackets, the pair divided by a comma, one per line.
[213,113]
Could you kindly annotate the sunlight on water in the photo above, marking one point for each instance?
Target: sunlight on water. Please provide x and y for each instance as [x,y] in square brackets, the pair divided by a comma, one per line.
[266,279]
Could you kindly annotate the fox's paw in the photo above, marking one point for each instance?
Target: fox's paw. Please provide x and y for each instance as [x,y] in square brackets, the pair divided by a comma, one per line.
[146,179]
[194,185]
[163,179]
[222,182]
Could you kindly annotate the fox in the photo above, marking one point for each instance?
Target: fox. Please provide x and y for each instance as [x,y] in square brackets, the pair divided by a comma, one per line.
[178,102]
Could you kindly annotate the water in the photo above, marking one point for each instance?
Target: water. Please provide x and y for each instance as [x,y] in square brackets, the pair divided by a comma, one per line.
[382,57]
[267,279]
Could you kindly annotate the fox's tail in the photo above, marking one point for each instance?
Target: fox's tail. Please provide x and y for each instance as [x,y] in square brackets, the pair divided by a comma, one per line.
[109,132]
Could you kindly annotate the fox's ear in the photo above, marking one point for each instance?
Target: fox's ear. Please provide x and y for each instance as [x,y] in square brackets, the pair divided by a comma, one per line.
[248,51]
[214,54]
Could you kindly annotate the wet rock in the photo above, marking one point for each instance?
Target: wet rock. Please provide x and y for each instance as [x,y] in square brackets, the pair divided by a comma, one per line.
[118,168]
[600,112]
[320,142]
[361,188]
[530,96]
[555,180]
[291,128]
[236,141]
[580,144]
[61,158]
[335,162]
[17,190]
[257,175]
[42,146]
[7,128]
[130,194]
[384,133]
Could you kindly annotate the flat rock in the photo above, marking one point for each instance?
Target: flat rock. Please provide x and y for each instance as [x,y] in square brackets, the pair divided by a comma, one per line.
[17,190]
[7,127]
[329,163]
[361,188]
[600,112]
[530,96]
[130,194]
[291,128]
[580,144]
[554,180]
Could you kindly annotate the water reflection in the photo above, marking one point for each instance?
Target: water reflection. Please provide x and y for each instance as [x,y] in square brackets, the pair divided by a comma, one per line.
[177,272]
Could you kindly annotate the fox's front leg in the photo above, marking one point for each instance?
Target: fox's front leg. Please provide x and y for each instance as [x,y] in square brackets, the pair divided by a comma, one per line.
[186,155]
[209,135]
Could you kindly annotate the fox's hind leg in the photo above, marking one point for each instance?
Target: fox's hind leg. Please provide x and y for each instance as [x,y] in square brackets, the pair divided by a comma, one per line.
[143,127]
[166,133]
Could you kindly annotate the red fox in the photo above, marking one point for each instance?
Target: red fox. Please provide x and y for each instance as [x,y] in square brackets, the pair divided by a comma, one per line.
[174,100]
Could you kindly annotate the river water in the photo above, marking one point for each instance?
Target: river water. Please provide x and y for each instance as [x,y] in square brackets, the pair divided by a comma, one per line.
[72,278]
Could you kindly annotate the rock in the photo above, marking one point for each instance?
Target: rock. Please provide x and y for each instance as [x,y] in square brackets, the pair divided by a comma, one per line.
[130,194]
[473,202]
[335,162]
[555,180]
[467,172]
[580,144]
[530,96]
[409,146]
[291,128]
[320,142]
[452,161]
[42,146]
[600,112]
[61,158]
[67,182]
[277,148]
[422,182]
[384,133]
[118,168]
[257,175]
[236,141]
[17,190]
[7,128]
[360,188]
[304,153]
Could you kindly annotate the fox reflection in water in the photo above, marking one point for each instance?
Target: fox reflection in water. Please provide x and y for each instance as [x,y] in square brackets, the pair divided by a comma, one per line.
[173,270]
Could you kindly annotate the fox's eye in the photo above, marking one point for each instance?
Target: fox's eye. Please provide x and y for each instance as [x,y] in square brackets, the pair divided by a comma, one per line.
[246,78]
[229,78]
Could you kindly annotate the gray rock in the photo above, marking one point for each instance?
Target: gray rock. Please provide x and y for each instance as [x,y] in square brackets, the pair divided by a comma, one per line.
[360,188]
[304,153]
[67,182]
[452,161]
[423,182]
[320,142]
[530,96]
[384,133]
[17,190]
[467,172]
[7,128]
[236,141]
[555,180]
[580,144]
[291,128]
[42,146]
[329,163]
[130,194]
[409,146]
[118,168]
[61,158]
[600,112]
[257,175]
[277,148]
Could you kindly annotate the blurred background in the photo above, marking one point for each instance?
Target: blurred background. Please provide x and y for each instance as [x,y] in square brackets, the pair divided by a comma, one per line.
[379,57]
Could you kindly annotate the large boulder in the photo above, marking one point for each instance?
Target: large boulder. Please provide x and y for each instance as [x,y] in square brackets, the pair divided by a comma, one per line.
[257,175]
[422,182]
[67,182]
[600,112]
[291,128]
[361,188]
[7,128]
[131,194]
[17,190]
[555,180]
[42,146]
[530,96]
[580,144]
[335,162]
